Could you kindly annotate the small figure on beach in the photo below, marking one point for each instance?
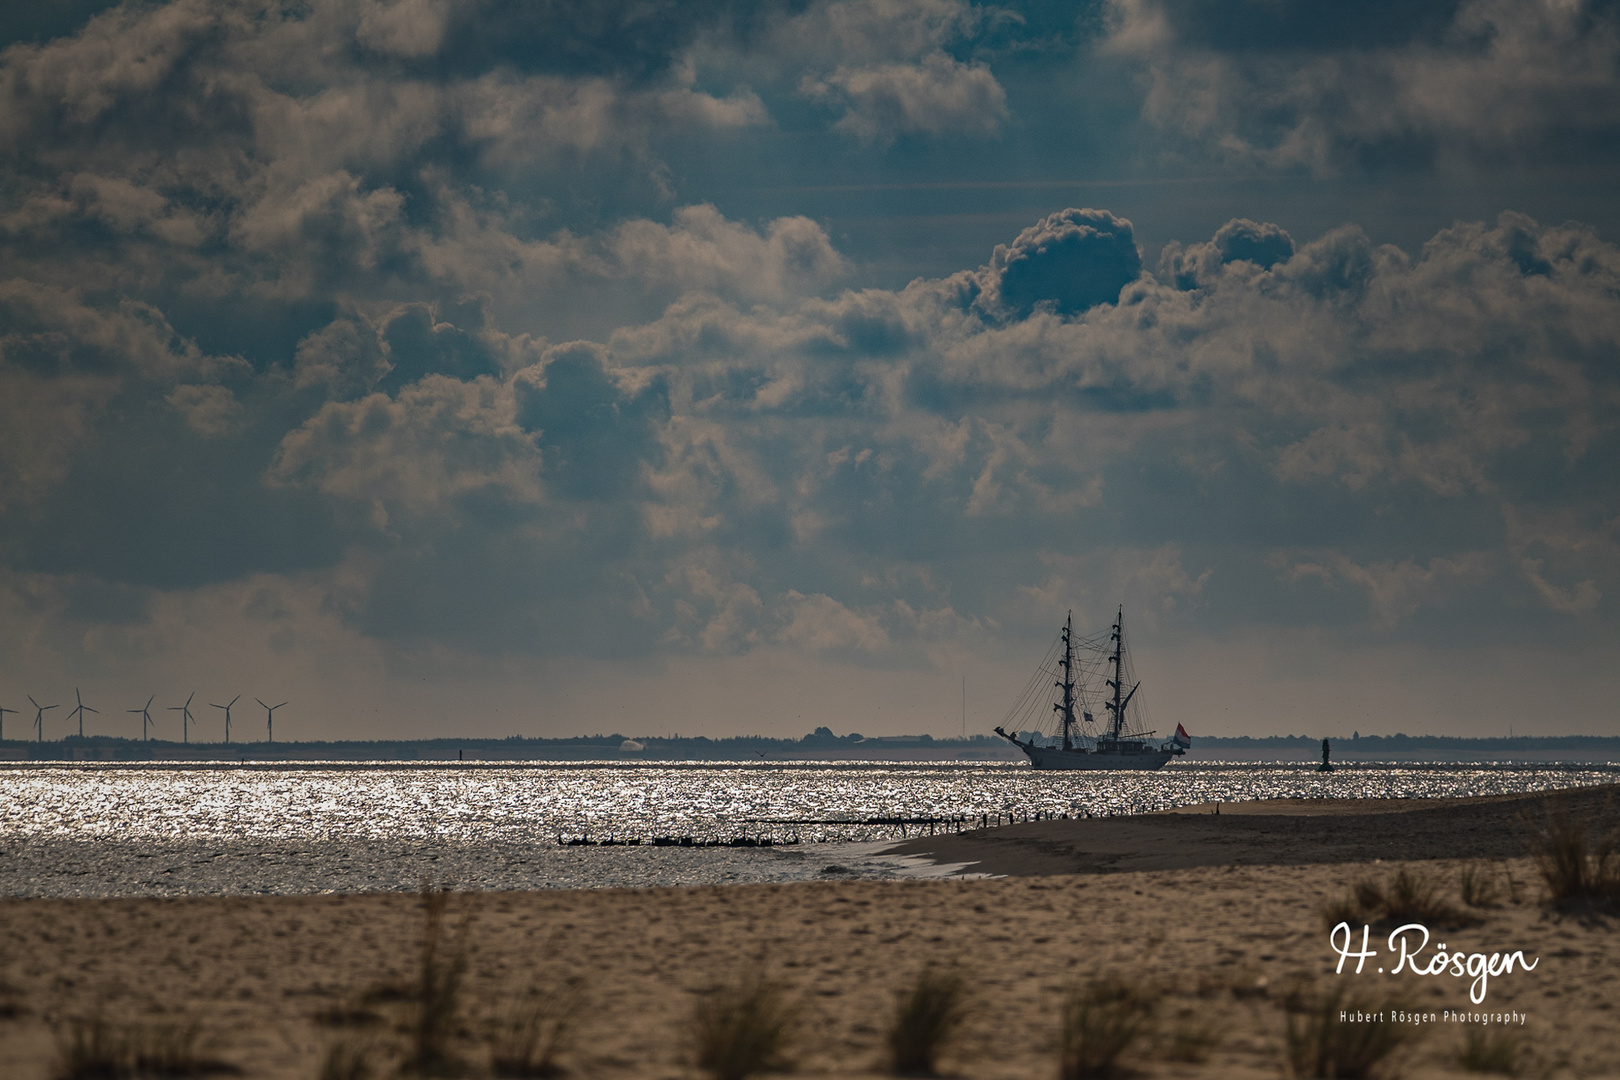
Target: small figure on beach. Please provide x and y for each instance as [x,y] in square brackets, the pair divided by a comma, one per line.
[1326,765]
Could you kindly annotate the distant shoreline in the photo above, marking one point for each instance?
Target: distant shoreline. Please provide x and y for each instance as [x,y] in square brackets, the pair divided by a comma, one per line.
[920,748]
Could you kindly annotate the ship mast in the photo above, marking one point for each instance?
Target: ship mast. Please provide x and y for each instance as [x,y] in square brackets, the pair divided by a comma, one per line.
[1067,708]
[1121,697]
[1119,645]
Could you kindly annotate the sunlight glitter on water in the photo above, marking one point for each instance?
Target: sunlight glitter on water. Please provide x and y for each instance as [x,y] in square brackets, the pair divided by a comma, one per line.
[118,829]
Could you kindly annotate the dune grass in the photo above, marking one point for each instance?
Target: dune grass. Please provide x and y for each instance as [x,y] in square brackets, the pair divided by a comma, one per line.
[11,1004]
[1575,866]
[529,1040]
[928,1014]
[91,1048]
[1476,885]
[350,1012]
[1318,1044]
[1190,1040]
[437,1001]
[1404,897]
[1345,909]
[349,1060]
[743,1028]
[94,1048]
[1495,1051]
[1102,1020]
[1412,897]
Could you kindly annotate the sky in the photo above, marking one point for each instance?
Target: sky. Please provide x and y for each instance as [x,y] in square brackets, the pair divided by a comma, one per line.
[485,368]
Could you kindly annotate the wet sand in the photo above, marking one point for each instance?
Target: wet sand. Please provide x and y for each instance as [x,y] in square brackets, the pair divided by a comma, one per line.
[1219,936]
[1266,832]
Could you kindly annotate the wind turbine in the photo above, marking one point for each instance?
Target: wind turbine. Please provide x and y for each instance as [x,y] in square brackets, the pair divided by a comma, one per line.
[146,716]
[227,709]
[185,717]
[3,711]
[39,716]
[80,710]
[269,719]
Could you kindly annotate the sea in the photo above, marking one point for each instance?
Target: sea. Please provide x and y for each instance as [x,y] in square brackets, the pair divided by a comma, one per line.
[199,828]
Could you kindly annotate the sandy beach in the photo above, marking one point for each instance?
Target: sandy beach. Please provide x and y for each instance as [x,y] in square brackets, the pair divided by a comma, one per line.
[1269,832]
[1220,916]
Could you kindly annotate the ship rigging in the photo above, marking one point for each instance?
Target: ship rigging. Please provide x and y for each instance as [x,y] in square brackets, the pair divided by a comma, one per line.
[1088,670]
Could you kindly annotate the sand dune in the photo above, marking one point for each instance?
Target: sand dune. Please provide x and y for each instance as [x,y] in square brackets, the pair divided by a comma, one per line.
[1220,942]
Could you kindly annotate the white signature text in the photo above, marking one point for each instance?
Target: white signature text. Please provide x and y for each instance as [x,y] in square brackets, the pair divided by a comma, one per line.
[1406,942]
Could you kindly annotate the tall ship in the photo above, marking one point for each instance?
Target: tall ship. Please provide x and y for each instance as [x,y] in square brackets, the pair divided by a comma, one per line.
[1077,674]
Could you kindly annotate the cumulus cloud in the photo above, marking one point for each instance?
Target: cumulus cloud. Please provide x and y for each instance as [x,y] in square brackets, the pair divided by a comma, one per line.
[734,473]
[889,69]
[938,95]
[1154,580]
[497,408]
[290,142]
[821,624]
[209,410]
[55,330]
[596,426]
[345,356]
[1240,240]
[1393,590]
[702,250]
[516,121]
[1073,260]
[407,28]
[1265,366]
[64,361]
[1488,80]
[440,442]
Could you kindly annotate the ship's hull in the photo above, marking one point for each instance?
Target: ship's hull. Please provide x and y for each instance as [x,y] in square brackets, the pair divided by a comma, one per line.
[1051,757]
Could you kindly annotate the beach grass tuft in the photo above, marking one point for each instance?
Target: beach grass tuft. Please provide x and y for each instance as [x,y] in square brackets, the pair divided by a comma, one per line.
[1412,897]
[91,1048]
[1574,866]
[1346,908]
[349,1012]
[1494,1051]
[1368,896]
[1190,1040]
[11,1005]
[437,1000]
[94,1048]
[1319,1044]
[1102,1019]
[928,1014]
[743,1028]
[529,1041]
[1406,896]
[1476,884]
[348,1060]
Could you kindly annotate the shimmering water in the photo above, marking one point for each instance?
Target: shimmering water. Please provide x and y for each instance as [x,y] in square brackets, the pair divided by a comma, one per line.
[115,829]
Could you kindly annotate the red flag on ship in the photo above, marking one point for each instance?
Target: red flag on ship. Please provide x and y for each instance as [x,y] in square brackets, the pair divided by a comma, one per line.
[1182,739]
